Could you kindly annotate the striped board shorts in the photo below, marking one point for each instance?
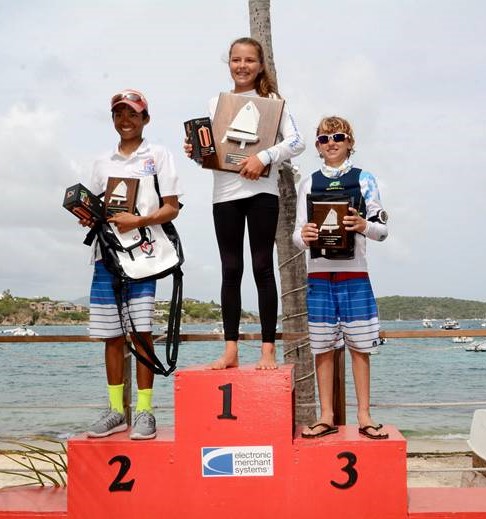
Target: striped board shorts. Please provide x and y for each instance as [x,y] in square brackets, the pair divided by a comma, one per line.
[342,311]
[104,318]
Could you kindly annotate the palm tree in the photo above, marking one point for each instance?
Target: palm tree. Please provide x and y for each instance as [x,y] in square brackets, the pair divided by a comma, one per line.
[291,260]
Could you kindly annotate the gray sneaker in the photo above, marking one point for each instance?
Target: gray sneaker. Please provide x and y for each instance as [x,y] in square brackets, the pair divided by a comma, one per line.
[110,422]
[143,427]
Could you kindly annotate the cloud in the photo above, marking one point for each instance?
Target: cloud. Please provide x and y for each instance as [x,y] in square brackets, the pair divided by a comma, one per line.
[409,80]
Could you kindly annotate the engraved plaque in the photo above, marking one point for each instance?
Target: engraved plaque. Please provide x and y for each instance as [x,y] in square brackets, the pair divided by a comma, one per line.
[121,195]
[243,126]
[328,216]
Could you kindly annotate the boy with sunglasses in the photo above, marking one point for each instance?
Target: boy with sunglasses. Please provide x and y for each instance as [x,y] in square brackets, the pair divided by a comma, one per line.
[133,157]
[341,306]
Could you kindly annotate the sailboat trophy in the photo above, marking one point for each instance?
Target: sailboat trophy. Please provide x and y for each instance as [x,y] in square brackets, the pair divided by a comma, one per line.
[121,195]
[242,126]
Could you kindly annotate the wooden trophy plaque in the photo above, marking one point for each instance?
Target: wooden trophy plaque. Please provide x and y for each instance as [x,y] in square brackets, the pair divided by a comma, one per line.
[243,126]
[328,216]
[121,195]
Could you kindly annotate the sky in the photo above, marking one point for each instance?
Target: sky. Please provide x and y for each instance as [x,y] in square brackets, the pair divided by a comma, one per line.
[408,74]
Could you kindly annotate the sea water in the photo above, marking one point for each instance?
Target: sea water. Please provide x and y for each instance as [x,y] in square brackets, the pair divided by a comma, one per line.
[57,389]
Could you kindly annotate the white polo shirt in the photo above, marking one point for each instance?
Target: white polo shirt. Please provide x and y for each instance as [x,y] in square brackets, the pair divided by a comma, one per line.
[147,160]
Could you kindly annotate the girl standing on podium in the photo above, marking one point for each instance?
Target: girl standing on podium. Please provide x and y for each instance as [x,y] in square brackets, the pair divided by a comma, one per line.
[250,199]
[340,302]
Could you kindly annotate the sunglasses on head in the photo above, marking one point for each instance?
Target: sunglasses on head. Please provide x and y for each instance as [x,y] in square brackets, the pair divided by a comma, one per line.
[336,137]
[131,96]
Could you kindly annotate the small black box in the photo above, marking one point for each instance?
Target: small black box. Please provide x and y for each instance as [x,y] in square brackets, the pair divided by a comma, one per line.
[200,134]
[81,202]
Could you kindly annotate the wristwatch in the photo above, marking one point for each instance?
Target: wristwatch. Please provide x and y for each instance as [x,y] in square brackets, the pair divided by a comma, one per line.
[382,216]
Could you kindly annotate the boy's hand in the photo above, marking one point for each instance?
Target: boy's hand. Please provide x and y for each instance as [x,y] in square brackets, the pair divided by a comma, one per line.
[125,222]
[251,168]
[309,233]
[354,222]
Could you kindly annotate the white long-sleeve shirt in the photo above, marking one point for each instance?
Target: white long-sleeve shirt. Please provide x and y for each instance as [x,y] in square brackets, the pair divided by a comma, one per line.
[374,230]
[231,186]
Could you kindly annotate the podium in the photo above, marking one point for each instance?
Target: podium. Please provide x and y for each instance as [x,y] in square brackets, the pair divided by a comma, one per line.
[235,452]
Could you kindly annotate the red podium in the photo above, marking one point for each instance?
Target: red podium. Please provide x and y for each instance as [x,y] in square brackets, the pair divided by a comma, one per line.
[235,453]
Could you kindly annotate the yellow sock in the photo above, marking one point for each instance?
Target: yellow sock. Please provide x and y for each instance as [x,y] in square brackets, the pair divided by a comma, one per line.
[115,395]
[144,400]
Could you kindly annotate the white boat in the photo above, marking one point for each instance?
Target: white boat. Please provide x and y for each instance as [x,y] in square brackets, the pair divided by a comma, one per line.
[450,324]
[219,328]
[427,323]
[476,346]
[20,331]
[462,339]
[483,325]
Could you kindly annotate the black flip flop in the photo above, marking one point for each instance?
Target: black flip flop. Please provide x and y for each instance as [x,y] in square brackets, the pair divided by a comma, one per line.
[327,429]
[365,432]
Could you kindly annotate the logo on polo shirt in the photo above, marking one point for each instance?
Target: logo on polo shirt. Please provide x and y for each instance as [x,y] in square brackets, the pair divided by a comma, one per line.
[148,167]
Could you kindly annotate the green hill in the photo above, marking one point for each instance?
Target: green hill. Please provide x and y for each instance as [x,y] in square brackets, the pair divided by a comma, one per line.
[18,310]
[413,308]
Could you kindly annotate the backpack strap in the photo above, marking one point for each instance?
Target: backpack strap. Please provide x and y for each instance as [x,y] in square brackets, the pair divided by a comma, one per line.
[172,339]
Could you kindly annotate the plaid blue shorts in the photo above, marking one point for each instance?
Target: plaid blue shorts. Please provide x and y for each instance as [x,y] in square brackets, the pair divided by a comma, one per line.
[342,311]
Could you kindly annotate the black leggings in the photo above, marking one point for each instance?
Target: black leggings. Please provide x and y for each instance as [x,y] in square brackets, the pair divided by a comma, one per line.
[261,213]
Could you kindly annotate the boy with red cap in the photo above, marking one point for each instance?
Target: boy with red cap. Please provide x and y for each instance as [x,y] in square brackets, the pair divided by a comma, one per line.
[133,157]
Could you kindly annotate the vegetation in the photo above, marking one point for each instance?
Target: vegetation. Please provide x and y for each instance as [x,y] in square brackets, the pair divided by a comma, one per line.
[12,305]
[36,464]
[416,308]
[18,311]
[198,311]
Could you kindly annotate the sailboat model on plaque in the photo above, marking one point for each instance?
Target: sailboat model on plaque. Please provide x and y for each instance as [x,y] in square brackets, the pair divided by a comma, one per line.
[244,126]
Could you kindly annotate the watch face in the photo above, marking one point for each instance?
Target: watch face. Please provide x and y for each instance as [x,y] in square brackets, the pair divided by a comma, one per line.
[383,216]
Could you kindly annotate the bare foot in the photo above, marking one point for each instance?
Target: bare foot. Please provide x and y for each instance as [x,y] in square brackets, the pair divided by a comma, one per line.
[267,360]
[229,359]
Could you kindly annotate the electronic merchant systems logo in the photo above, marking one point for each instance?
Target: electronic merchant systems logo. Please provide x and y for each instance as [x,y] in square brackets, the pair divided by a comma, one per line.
[237,461]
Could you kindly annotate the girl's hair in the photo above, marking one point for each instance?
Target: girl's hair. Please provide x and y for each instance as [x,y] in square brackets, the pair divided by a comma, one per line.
[264,84]
[335,124]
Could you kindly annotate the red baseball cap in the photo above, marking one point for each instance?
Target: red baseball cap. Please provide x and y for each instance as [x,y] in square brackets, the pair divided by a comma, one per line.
[132,98]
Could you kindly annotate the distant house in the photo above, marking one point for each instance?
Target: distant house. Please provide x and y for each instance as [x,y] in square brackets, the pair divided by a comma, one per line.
[52,307]
[66,306]
[46,307]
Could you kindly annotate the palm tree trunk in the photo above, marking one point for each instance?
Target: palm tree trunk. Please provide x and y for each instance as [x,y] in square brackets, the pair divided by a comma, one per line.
[291,261]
